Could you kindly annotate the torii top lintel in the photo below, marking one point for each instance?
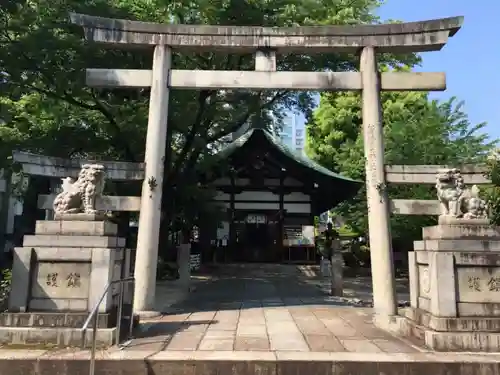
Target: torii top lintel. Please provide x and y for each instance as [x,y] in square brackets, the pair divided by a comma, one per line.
[419,36]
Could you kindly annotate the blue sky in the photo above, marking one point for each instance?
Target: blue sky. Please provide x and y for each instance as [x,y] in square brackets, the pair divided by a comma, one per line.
[471,59]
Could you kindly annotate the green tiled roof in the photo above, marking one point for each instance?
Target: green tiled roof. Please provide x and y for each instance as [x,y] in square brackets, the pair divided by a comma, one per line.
[284,149]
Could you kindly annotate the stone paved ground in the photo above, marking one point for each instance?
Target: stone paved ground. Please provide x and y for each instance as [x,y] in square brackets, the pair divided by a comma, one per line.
[357,290]
[169,293]
[264,308]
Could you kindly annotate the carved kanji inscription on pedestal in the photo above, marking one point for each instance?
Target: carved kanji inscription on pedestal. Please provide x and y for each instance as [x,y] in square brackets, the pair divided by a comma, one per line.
[61,280]
[479,284]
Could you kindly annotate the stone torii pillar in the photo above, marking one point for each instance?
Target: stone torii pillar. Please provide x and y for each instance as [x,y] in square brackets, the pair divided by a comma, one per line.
[266,43]
[148,235]
[382,264]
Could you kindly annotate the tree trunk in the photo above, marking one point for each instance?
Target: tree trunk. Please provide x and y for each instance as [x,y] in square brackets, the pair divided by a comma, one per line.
[37,185]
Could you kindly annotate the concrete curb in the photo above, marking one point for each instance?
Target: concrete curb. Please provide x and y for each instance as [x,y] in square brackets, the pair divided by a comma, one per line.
[39,362]
[115,354]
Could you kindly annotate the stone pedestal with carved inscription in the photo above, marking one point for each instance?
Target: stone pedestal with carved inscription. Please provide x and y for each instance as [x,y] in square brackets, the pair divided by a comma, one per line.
[455,286]
[59,276]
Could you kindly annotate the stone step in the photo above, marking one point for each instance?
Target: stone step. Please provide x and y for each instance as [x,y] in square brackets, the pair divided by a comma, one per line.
[479,324]
[50,319]
[137,362]
[73,241]
[53,337]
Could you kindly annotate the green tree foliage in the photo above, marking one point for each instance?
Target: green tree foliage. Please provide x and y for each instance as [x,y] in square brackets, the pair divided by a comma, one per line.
[46,107]
[417,130]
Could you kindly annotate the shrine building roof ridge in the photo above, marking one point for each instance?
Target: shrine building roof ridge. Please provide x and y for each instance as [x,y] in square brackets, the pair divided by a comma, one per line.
[275,142]
[430,35]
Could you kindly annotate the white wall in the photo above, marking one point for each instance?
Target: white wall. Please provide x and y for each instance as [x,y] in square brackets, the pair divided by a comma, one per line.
[266,200]
[302,208]
[297,197]
[226,181]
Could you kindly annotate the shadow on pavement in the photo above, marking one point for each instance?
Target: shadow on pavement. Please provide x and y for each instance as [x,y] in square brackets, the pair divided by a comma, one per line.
[241,286]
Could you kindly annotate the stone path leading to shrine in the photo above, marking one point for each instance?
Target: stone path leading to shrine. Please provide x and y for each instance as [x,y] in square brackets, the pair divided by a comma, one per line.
[265,308]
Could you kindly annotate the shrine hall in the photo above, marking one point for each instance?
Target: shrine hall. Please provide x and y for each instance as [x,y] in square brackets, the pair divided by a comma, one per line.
[270,196]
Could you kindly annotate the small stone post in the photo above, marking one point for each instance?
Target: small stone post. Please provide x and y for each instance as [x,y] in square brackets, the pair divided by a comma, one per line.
[183,262]
[337,270]
[325,267]
[384,299]
[146,259]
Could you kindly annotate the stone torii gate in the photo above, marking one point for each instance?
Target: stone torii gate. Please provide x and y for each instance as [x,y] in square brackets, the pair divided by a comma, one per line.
[266,43]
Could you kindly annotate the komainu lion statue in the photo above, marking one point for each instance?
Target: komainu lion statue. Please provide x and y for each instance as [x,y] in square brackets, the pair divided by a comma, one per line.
[79,196]
[457,200]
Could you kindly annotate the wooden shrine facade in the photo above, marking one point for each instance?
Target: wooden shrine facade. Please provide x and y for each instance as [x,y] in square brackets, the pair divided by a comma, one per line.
[270,197]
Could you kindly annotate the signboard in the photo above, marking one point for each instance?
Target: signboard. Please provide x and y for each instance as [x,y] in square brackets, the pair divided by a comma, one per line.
[299,235]
[256,219]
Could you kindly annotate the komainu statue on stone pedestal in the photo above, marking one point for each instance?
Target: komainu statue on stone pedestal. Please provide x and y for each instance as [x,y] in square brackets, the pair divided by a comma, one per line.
[456,199]
[79,196]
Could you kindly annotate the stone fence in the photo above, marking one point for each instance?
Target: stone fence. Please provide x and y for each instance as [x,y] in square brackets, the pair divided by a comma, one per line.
[3,183]
[58,168]
[54,167]
[426,174]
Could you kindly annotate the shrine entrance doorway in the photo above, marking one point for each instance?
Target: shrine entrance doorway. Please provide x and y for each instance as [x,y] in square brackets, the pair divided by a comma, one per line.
[256,239]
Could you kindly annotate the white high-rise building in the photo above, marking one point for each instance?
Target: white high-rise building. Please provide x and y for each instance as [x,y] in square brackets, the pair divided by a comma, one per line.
[293,133]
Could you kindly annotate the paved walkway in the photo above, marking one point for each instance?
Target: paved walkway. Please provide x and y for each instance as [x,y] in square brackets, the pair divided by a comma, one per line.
[265,308]
[357,290]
